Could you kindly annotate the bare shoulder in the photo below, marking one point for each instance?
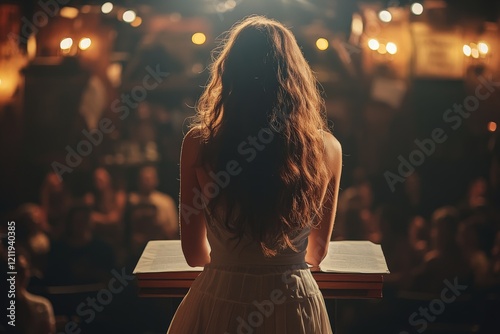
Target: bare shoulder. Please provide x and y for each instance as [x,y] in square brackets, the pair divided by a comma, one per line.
[191,141]
[332,146]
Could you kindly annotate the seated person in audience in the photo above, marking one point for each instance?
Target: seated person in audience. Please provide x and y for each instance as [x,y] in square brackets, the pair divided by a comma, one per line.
[34,314]
[79,257]
[165,205]
[31,233]
[495,254]
[475,237]
[55,201]
[142,227]
[445,259]
[107,203]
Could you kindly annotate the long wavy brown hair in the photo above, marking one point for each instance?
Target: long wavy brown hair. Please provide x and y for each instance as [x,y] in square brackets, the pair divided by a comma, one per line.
[262,109]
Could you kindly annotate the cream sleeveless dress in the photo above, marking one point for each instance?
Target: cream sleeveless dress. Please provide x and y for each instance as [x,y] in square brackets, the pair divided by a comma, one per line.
[241,291]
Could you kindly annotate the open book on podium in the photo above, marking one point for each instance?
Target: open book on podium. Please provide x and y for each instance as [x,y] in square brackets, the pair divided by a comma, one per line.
[352,269]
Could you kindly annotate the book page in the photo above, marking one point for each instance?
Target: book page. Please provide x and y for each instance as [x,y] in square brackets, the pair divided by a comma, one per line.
[354,257]
[343,257]
[163,256]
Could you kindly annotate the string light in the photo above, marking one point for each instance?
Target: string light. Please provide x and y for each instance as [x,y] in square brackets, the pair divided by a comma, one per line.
[391,48]
[129,16]
[373,44]
[483,48]
[66,44]
[198,38]
[385,16]
[69,12]
[492,126]
[322,44]
[107,7]
[467,50]
[417,8]
[84,43]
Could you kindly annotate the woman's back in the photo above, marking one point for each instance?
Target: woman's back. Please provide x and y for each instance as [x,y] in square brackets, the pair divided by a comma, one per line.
[259,185]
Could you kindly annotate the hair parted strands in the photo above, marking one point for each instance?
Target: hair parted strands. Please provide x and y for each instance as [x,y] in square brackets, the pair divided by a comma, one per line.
[260,81]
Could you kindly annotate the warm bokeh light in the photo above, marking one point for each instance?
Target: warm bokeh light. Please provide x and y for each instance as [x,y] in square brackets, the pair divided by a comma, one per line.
[69,12]
[322,44]
[373,44]
[31,47]
[492,126]
[129,16]
[483,48]
[467,50]
[385,16]
[107,7]
[382,49]
[198,38]
[137,22]
[66,44]
[230,4]
[391,48]
[475,53]
[84,43]
[357,25]
[417,8]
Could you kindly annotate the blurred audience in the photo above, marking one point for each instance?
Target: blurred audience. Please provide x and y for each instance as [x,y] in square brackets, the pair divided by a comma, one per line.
[445,259]
[79,257]
[78,240]
[34,314]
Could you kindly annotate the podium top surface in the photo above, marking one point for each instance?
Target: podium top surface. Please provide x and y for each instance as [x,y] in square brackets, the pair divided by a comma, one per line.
[346,257]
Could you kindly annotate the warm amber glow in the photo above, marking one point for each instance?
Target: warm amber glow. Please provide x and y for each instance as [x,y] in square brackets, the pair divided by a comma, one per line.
[31,47]
[357,24]
[373,44]
[492,126]
[129,16]
[69,12]
[137,22]
[230,4]
[385,16]
[66,44]
[475,53]
[382,49]
[85,43]
[107,7]
[391,48]
[322,44]
[198,38]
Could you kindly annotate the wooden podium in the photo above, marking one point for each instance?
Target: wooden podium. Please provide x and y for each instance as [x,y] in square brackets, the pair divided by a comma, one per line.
[351,270]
